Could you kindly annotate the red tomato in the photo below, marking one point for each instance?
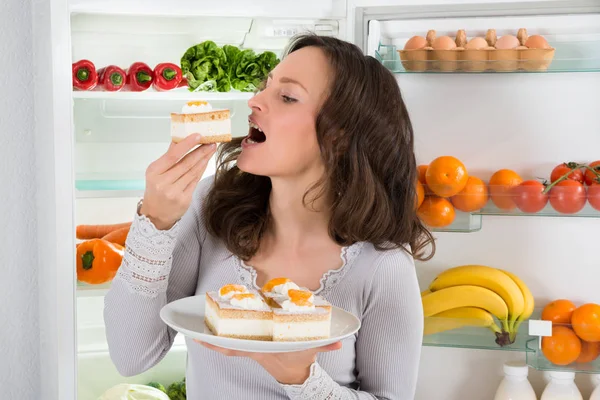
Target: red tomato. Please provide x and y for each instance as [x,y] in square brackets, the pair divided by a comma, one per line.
[561,169]
[568,197]
[593,195]
[528,196]
[589,175]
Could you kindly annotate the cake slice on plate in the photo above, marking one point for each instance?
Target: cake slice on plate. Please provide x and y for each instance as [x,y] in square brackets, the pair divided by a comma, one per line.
[199,117]
[301,316]
[236,312]
[277,288]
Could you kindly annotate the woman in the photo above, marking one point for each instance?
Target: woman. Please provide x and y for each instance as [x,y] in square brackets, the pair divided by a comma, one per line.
[320,191]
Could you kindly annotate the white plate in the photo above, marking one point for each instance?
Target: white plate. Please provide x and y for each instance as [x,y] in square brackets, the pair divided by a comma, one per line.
[186,316]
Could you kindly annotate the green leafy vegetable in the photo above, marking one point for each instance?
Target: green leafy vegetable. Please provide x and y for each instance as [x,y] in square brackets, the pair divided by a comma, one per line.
[158,386]
[205,62]
[210,68]
[177,391]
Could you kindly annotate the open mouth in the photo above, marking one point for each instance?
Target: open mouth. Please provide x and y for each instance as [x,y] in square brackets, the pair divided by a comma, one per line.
[255,134]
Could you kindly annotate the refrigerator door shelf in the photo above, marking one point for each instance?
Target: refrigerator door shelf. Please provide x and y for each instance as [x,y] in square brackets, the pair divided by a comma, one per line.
[574,41]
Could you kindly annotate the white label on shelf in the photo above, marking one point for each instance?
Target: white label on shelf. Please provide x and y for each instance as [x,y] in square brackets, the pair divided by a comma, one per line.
[540,328]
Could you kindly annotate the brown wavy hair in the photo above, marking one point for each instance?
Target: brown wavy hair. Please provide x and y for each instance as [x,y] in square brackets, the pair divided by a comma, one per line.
[366,142]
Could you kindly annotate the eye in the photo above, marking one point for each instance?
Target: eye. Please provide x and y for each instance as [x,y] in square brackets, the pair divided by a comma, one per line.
[288,99]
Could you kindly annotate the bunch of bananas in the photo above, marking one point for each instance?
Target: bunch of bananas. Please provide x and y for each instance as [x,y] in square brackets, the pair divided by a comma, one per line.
[472,295]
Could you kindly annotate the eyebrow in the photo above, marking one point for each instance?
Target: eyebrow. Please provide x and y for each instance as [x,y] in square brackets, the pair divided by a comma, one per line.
[285,79]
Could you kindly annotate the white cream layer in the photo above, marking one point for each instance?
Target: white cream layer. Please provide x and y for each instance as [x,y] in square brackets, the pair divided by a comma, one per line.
[206,128]
[238,326]
[287,330]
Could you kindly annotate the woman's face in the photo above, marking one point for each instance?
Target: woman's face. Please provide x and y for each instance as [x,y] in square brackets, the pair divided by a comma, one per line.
[286,111]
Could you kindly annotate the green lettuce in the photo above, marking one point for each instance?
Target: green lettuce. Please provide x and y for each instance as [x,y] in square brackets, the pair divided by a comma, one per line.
[205,62]
[210,68]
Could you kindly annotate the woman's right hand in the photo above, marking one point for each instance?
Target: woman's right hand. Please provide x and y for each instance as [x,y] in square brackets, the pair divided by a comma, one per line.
[172,179]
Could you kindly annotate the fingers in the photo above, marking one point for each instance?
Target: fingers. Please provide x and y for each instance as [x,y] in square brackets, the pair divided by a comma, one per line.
[189,180]
[175,152]
[330,347]
[188,162]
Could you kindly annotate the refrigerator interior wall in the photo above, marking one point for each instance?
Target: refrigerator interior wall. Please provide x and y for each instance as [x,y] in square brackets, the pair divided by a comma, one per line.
[521,121]
[118,134]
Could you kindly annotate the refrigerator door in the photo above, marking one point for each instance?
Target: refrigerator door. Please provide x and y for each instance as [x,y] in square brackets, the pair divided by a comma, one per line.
[527,122]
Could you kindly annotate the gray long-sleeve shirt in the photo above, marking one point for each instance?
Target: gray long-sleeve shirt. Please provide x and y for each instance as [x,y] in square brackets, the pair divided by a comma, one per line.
[381,361]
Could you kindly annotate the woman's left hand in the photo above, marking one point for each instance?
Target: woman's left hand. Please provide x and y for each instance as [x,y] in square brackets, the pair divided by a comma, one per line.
[287,368]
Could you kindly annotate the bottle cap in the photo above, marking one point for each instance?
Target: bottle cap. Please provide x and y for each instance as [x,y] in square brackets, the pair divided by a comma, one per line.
[562,375]
[516,368]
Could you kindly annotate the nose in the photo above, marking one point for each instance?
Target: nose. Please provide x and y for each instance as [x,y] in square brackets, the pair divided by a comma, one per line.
[257,102]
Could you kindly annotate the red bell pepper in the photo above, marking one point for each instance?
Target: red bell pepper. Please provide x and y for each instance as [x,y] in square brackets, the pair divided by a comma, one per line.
[167,76]
[139,77]
[111,78]
[85,76]
[183,83]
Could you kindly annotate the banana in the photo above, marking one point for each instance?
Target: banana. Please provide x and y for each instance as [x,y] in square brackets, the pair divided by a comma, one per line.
[424,292]
[529,303]
[485,277]
[459,317]
[464,296]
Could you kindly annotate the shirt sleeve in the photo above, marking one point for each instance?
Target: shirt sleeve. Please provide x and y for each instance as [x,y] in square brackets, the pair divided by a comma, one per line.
[388,346]
[158,267]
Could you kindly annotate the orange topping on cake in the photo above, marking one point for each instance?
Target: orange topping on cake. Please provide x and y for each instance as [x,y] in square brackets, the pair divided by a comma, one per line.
[242,296]
[300,297]
[274,282]
[197,103]
[232,288]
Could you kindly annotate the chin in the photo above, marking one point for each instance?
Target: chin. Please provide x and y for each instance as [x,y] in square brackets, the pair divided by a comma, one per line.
[251,165]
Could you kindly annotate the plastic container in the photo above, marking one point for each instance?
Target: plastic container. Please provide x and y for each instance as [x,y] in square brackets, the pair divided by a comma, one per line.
[596,382]
[515,385]
[561,387]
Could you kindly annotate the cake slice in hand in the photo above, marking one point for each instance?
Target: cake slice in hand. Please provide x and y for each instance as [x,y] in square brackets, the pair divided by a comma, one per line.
[301,316]
[234,311]
[199,117]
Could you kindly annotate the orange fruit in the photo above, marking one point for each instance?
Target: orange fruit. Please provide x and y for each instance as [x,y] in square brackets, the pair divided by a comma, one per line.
[586,322]
[563,347]
[274,282]
[422,170]
[232,288]
[501,184]
[559,311]
[473,196]
[446,176]
[436,212]
[589,352]
[420,194]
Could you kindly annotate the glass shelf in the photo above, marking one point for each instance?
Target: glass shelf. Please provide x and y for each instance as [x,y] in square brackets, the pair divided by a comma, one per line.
[135,185]
[181,94]
[463,223]
[568,57]
[87,290]
[476,338]
[548,211]
[537,360]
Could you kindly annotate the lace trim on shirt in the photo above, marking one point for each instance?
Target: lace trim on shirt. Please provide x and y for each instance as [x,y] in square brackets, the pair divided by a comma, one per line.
[147,258]
[318,386]
[248,274]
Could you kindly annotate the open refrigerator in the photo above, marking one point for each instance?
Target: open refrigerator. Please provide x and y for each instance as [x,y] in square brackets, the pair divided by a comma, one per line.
[94,146]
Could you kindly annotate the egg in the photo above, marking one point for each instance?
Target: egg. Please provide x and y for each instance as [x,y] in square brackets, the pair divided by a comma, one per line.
[443,43]
[507,42]
[415,42]
[477,43]
[537,42]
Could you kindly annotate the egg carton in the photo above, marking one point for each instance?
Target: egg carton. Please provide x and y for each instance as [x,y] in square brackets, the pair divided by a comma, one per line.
[446,55]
